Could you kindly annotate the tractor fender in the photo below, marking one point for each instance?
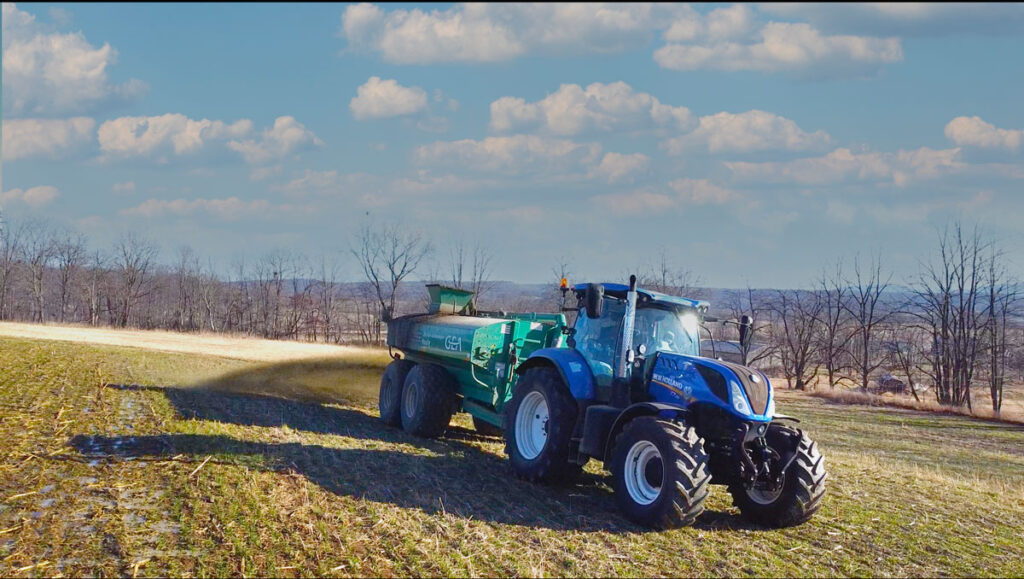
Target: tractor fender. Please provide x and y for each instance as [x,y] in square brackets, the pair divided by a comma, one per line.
[570,364]
[658,409]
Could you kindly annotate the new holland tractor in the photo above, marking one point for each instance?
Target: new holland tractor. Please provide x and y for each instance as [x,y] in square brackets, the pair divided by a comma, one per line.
[625,385]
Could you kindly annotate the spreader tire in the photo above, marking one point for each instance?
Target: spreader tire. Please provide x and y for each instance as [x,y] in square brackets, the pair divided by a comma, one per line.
[802,491]
[660,473]
[539,421]
[486,428]
[390,400]
[428,401]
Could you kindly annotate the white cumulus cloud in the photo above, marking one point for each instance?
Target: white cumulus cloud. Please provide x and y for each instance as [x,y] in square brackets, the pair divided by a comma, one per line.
[31,137]
[515,154]
[972,131]
[381,99]
[786,47]
[287,136]
[478,32]
[52,73]
[617,166]
[701,192]
[844,165]
[228,209]
[143,136]
[572,110]
[33,197]
[746,132]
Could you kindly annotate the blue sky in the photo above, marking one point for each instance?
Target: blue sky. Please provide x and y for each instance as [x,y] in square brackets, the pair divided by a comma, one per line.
[752,144]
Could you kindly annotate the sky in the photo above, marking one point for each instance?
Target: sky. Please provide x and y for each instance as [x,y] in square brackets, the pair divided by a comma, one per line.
[750,144]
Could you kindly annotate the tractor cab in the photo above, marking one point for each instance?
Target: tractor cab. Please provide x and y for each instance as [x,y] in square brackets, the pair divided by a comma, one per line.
[662,323]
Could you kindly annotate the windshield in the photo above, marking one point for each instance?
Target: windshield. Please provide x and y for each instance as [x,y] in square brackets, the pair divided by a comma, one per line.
[662,330]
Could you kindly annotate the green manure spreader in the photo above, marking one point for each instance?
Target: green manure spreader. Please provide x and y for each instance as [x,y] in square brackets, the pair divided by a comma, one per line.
[625,385]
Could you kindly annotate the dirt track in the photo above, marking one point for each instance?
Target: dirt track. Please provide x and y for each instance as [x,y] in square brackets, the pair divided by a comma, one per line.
[241,348]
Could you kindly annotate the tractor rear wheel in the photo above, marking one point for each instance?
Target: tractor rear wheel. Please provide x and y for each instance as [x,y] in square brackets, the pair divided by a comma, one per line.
[428,401]
[486,428]
[660,473]
[539,421]
[390,400]
[800,495]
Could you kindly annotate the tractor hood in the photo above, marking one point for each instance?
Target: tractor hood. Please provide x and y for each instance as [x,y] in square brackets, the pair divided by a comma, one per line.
[685,380]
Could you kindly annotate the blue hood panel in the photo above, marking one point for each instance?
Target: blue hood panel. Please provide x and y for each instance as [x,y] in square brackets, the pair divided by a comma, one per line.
[684,380]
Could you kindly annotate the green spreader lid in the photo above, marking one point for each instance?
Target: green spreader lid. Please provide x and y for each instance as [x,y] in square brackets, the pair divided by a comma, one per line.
[448,300]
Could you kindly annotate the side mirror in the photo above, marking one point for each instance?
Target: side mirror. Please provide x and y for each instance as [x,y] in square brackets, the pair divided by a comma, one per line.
[746,330]
[594,300]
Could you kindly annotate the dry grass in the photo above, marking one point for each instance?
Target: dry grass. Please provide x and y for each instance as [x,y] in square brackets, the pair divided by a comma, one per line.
[846,396]
[118,461]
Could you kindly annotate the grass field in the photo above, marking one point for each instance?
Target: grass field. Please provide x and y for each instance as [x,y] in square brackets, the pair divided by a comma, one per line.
[122,461]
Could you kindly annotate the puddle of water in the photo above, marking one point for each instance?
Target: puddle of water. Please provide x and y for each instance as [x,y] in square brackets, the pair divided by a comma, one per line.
[47,489]
[47,503]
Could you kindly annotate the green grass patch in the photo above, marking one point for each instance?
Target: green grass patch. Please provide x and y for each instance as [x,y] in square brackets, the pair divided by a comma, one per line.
[117,461]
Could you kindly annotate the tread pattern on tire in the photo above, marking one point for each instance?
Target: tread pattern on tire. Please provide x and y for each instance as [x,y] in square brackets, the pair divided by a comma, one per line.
[389,401]
[802,493]
[436,401]
[553,464]
[691,477]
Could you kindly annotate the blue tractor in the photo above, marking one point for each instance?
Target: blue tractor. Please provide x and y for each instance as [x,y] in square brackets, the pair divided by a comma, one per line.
[632,390]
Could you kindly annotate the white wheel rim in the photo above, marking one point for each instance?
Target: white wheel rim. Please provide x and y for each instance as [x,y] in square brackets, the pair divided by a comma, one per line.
[410,397]
[640,456]
[763,497]
[532,425]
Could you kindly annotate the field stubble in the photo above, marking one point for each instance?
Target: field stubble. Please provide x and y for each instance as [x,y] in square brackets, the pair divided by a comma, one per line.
[119,461]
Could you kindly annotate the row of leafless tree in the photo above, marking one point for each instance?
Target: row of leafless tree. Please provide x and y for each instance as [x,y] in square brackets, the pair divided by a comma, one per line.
[957,325]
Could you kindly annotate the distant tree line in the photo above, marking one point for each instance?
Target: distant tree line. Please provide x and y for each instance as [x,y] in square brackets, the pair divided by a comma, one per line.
[954,327]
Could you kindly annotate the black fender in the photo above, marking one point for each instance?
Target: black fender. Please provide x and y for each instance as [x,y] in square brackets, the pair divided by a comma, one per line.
[658,409]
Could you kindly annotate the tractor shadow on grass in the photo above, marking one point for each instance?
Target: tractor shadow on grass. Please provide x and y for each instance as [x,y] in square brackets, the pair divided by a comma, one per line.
[454,474]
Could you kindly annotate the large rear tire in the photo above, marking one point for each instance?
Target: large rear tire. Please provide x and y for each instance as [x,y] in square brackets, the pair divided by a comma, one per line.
[800,496]
[428,401]
[539,421]
[660,473]
[390,400]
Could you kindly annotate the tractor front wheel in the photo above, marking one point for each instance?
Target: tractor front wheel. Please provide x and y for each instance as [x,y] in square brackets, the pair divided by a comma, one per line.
[660,473]
[799,496]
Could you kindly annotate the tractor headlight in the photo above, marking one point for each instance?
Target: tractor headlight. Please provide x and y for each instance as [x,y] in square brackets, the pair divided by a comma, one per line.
[739,402]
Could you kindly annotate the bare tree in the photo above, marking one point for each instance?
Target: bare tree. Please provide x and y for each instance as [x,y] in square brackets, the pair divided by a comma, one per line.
[38,252]
[70,256]
[947,304]
[666,277]
[835,332]
[867,312]
[1000,307]
[10,253]
[133,260]
[388,254]
[470,269]
[797,313]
